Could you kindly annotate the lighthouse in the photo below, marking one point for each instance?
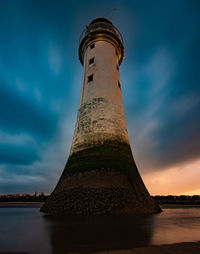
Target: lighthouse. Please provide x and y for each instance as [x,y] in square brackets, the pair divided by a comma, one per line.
[100,176]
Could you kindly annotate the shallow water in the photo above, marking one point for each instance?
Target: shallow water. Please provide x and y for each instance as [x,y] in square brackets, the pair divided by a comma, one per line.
[24,228]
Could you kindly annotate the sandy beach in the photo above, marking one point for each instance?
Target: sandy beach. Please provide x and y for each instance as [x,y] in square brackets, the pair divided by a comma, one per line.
[178,248]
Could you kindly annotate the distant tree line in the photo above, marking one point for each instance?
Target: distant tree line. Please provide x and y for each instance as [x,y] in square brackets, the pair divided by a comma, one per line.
[182,199]
[23,198]
[170,199]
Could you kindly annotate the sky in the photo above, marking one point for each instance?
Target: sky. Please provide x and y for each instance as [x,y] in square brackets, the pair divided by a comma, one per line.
[40,85]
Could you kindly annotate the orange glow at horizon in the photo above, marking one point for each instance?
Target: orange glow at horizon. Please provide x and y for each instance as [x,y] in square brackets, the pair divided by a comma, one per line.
[177,180]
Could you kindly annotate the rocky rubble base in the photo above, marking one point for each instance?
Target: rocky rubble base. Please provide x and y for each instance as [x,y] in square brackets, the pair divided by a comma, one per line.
[87,201]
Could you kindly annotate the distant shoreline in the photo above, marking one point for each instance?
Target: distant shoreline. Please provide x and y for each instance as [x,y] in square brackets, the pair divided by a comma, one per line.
[20,204]
[160,200]
[32,204]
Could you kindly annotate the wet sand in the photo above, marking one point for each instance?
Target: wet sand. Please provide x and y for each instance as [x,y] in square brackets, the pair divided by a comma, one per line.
[178,248]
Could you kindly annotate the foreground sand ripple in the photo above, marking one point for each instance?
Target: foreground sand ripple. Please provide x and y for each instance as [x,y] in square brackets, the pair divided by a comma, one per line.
[177,248]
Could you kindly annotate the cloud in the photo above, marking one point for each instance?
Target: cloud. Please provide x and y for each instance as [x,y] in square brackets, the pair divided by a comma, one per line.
[177,180]
[150,88]
[41,173]
[163,108]
[18,114]
[17,149]
[13,154]
[16,139]
[21,181]
[55,59]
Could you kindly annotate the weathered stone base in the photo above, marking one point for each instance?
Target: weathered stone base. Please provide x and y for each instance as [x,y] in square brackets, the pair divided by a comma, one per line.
[87,201]
[98,192]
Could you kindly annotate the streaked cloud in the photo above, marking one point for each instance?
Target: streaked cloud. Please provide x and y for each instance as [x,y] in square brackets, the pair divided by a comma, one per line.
[55,59]
[16,139]
[177,180]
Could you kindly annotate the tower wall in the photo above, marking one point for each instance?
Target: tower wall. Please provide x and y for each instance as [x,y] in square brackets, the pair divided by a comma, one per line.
[100,116]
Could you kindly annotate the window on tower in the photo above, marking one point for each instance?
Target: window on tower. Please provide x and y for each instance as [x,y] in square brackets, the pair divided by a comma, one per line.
[91,61]
[92,46]
[90,78]
[117,67]
[119,85]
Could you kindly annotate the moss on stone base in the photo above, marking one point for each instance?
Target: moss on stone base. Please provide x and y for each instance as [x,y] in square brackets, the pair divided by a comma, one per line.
[109,155]
[98,192]
[98,180]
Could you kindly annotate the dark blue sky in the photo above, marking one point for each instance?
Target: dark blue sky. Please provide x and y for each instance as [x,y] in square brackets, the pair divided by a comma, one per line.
[40,83]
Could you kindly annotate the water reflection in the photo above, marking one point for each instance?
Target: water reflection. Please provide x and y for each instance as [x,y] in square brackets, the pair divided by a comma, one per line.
[22,229]
[25,229]
[99,233]
[177,224]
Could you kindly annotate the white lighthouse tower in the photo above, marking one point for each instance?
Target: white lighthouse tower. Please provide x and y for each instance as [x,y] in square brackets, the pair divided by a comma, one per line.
[101,54]
[100,175]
